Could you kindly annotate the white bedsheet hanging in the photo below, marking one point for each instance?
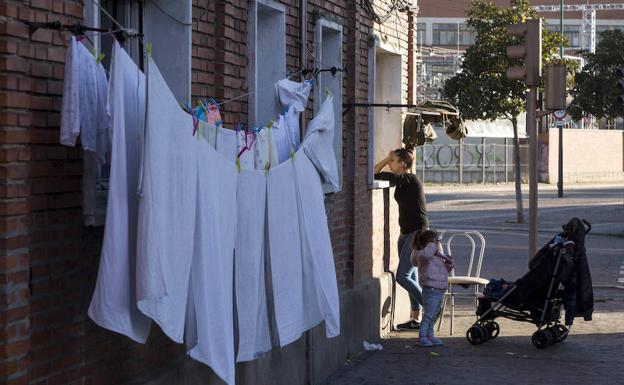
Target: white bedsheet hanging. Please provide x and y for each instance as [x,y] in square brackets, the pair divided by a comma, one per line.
[167,209]
[113,304]
[253,324]
[212,273]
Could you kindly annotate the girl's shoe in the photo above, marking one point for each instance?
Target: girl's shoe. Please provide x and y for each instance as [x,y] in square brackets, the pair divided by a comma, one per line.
[424,342]
[435,341]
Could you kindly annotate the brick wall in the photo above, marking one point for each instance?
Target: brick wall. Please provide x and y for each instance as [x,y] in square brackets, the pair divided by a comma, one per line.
[49,261]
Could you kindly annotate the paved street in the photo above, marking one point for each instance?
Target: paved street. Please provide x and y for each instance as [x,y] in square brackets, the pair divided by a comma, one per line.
[591,355]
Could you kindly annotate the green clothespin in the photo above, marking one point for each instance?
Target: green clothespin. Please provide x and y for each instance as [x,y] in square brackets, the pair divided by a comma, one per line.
[237,165]
[148,48]
[292,154]
[328,92]
[267,166]
[98,58]
[270,124]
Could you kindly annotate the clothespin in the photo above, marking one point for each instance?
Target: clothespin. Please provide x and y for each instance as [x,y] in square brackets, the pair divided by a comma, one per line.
[238,166]
[148,48]
[270,124]
[292,154]
[98,58]
[267,166]
[328,92]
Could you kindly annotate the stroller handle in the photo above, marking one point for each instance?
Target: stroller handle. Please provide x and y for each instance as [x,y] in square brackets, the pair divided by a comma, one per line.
[588,229]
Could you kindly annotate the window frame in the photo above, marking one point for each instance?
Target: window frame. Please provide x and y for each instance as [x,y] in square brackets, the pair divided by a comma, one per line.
[262,75]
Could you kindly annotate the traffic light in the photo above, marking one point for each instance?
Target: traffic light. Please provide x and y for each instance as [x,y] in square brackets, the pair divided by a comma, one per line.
[620,84]
[530,50]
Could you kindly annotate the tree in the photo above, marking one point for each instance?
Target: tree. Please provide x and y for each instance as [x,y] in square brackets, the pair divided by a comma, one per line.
[594,90]
[481,90]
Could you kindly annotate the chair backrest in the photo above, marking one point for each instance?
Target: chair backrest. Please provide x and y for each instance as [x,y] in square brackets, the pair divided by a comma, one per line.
[473,271]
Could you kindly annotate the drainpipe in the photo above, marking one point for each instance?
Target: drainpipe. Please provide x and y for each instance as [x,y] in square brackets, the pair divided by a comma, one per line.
[303,24]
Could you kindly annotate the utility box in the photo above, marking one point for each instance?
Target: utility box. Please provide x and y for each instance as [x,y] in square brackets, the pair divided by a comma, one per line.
[555,87]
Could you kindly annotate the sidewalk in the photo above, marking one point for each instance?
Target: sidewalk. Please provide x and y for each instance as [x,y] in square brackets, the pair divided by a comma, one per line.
[592,354]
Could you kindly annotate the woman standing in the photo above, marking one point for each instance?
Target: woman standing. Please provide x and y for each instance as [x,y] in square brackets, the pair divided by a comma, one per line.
[410,197]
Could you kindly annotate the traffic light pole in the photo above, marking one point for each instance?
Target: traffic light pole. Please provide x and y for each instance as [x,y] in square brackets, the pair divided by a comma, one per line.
[531,126]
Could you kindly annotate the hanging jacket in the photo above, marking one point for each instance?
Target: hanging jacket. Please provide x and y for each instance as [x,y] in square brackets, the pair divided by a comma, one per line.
[579,301]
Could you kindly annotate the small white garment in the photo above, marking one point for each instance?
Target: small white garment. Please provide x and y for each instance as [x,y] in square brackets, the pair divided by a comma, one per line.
[291,93]
[253,324]
[212,273]
[167,208]
[319,143]
[264,150]
[281,137]
[113,305]
[246,142]
[227,143]
[83,108]
[285,253]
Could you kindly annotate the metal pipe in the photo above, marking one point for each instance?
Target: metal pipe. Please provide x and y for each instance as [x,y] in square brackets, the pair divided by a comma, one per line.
[560,157]
[531,124]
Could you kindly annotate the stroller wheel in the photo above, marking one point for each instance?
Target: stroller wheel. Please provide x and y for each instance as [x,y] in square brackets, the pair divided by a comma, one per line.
[541,339]
[493,329]
[562,332]
[553,334]
[476,335]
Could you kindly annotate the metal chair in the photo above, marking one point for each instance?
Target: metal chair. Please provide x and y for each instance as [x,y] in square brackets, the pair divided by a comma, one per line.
[473,275]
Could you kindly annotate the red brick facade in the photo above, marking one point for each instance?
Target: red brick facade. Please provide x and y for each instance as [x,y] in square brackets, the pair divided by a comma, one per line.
[49,260]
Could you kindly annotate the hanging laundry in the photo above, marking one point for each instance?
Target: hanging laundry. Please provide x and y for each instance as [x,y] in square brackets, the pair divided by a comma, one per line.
[291,93]
[291,122]
[167,209]
[319,143]
[207,131]
[212,273]
[112,305]
[294,96]
[320,288]
[285,253]
[263,150]
[83,108]
[251,303]
[281,137]
[246,142]
[186,243]
[227,143]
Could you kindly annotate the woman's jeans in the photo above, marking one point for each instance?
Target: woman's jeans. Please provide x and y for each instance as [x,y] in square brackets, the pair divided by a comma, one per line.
[407,275]
[432,301]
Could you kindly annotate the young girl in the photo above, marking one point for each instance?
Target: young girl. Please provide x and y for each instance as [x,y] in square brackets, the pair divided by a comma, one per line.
[433,269]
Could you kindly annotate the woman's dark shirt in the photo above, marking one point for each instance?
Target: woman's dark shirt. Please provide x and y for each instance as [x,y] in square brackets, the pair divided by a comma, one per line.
[410,197]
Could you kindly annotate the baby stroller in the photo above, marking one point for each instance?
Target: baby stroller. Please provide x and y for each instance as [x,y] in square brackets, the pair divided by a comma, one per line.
[558,276]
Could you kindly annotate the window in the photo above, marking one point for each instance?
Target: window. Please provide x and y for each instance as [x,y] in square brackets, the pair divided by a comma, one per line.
[327,54]
[167,25]
[385,86]
[421,33]
[267,58]
[452,35]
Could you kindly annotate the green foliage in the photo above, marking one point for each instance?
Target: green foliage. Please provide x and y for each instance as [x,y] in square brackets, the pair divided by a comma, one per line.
[594,90]
[481,90]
